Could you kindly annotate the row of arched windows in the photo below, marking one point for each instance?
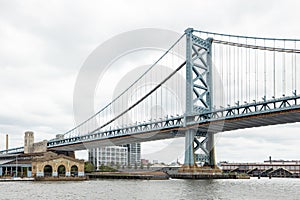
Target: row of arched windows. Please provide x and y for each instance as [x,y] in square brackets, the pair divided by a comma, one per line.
[61,170]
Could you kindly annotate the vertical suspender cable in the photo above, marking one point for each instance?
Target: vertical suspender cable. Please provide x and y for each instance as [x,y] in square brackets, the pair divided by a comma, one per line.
[145,100]
[213,74]
[292,58]
[274,71]
[161,93]
[242,75]
[170,94]
[156,104]
[167,91]
[283,68]
[256,74]
[136,108]
[121,110]
[173,95]
[234,75]
[222,76]
[151,102]
[229,72]
[238,72]
[265,73]
[246,49]
[249,73]
[295,55]
[176,83]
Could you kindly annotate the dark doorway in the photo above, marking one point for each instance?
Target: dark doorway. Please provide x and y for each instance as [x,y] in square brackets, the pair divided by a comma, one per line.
[61,170]
[74,170]
[48,170]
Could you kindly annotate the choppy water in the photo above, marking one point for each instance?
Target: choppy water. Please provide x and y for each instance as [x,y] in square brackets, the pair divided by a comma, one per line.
[154,189]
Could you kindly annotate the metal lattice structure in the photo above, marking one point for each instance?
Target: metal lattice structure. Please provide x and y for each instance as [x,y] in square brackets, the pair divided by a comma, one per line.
[198,92]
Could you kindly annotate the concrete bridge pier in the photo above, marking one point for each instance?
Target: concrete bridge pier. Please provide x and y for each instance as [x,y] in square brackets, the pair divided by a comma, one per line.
[209,149]
[190,168]
[210,145]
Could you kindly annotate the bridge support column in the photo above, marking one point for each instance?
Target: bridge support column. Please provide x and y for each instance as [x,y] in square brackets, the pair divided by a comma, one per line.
[211,148]
[199,97]
[189,157]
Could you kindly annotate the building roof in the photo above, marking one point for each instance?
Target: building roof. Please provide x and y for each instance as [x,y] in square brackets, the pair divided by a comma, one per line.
[27,159]
[2,162]
[52,156]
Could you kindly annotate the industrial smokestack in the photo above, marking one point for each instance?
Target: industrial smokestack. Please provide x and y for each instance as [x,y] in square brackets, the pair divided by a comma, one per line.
[270,159]
[6,142]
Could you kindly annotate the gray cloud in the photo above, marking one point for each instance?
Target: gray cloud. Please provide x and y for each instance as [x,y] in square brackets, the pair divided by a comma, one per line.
[43,45]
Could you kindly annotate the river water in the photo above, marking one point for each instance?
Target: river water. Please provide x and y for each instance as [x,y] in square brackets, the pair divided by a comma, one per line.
[254,188]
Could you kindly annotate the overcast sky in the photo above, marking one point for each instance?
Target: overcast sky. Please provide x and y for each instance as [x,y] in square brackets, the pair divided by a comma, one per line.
[43,45]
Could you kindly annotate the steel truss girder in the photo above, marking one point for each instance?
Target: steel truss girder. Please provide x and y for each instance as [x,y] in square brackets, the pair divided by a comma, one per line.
[173,122]
[268,106]
[261,107]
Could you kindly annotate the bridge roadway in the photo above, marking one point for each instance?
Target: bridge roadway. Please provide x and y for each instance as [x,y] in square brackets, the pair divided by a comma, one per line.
[271,112]
[256,114]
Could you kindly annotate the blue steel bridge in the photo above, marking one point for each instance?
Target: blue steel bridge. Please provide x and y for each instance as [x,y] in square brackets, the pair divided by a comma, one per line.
[205,83]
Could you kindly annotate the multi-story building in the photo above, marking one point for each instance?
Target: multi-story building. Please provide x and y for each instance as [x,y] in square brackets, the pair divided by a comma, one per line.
[134,153]
[110,155]
[129,154]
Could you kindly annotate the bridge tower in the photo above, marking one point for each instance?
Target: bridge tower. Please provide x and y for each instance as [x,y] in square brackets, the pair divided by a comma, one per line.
[198,95]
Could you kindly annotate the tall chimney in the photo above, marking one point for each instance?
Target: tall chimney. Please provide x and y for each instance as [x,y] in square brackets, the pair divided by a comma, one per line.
[270,159]
[6,142]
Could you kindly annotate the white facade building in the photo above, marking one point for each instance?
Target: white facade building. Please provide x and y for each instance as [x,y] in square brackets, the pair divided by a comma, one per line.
[110,155]
[128,154]
[134,153]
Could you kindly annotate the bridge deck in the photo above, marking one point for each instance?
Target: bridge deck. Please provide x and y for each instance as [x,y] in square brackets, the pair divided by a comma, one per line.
[227,124]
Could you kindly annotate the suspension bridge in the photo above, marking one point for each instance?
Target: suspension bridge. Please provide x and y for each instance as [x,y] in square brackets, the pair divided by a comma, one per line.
[205,83]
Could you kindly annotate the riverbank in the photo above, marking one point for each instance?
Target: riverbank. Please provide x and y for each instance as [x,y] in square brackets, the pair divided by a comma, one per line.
[8,179]
[208,176]
[65,178]
[159,175]
[129,175]
[201,173]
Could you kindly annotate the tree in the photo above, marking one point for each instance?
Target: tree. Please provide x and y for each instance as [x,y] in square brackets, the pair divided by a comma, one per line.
[129,166]
[104,168]
[118,166]
[88,167]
